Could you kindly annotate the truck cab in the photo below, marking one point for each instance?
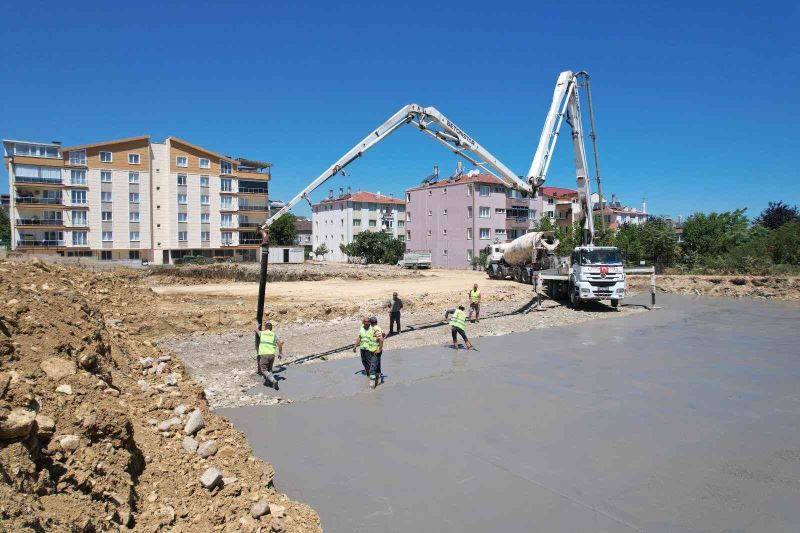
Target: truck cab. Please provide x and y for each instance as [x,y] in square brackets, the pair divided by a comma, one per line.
[596,273]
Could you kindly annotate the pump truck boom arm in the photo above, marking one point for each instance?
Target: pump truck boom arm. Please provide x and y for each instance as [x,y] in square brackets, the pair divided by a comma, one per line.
[431,122]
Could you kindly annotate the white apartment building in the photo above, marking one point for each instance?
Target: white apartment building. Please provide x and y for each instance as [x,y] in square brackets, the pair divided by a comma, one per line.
[134,199]
[336,220]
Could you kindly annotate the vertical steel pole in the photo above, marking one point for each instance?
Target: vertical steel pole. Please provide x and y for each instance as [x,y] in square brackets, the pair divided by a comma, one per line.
[262,284]
[593,136]
[653,288]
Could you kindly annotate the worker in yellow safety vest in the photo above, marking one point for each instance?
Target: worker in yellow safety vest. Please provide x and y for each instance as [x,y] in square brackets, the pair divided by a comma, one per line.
[268,345]
[367,343]
[475,303]
[375,374]
[458,326]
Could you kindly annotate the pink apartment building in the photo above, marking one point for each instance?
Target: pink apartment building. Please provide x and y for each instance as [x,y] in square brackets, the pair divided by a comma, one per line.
[455,219]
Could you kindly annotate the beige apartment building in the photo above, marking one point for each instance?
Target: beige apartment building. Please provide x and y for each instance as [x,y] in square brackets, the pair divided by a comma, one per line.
[135,199]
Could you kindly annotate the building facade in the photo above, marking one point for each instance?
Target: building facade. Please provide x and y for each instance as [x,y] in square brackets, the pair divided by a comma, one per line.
[561,206]
[304,234]
[455,219]
[615,214]
[337,219]
[135,199]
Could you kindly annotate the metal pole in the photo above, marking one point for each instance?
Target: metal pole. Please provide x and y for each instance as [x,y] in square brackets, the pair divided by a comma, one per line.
[593,136]
[653,288]
[262,284]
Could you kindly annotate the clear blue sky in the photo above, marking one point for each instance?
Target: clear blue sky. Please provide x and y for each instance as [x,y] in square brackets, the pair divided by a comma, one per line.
[697,103]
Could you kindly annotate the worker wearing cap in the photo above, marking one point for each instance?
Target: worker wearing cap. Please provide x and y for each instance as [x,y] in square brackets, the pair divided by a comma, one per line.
[367,343]
[475,303]
[375,360]
[458,325]
[268,345]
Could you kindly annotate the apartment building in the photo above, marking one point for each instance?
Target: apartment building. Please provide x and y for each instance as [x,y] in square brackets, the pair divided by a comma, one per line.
[561,205]
[304,233]
[615,214]
[337,219]
[135,199]
[456,218]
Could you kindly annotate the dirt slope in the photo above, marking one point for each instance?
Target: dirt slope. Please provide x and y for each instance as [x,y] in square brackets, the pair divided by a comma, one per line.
[99,430]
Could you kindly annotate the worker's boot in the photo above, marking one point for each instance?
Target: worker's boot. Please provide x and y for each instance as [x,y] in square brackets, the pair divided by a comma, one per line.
[373,381]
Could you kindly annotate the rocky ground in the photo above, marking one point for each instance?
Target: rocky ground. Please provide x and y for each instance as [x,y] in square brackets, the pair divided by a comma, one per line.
[766,287]
[100,430]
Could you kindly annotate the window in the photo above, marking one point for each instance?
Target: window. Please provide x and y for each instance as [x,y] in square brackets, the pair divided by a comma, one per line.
[204,200]
[485,190]
[133,254]
[500,232]
[181,179]
[430,192]
[562,215]
[133,159]
[469,255]
[79,218]
[107,216]
[469,234]
[226,220]
[77,157]
[485,233]
[532,214]
[550,201]
[205,163]
[133,197]
[373,223]
[444,211]
[78,177]
[134,236]
[499,189]
[408,234]
[469,212]
[227,238]
[444,190]
[205,218]
[469,190]
[429,233]
[205,235]
[400,224]
[550,214]
[225,167]
[182,161]
[105,196]
[78,197]
[204,181]
[226,201]
[484,212]
[430,212]
[183,217]
[108,236]
[444,252]
[105,176]
[499,211]
[182,199]
[408,216]
[356,222]
[105,255]
[408,198]
[183,236]
[133,216]
[133,177]
[79,238]
[444,232]
[105,157]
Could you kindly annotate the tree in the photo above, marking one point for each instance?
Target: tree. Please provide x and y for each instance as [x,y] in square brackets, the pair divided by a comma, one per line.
[659,243]
[321,250]
[785,244]
[375,247]
[714,234]
[776,215]
[5,227]
[283,231]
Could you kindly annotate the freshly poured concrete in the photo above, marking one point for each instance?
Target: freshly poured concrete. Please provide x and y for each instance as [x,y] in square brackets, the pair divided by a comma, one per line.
[682,419]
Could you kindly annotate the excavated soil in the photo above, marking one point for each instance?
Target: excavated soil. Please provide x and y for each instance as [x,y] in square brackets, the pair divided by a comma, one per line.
[99,429]
[766,287]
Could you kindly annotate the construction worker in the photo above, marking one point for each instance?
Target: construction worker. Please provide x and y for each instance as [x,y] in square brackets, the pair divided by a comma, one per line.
[458,325]
[375,374]
[475,303]
[268,345]
[367,343]
[395,305]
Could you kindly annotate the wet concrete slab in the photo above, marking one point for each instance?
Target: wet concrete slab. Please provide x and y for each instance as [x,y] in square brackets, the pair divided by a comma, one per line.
[682,419]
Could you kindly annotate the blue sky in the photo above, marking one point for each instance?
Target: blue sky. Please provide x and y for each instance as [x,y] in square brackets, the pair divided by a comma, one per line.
[697,103]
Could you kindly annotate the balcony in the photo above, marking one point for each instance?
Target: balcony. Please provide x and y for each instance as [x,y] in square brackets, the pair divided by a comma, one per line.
[262,208]
[37,243]
[252,190]
[252,174]
[30,200]
[248,242]
[39,222]
[38,181]
[249,225]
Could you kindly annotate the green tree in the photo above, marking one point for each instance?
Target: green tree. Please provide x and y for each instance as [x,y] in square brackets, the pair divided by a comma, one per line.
[5,228]
[713,235]
[659,242]
[776,215]
[375,247]
[784,244]
[283,231]
[321,250]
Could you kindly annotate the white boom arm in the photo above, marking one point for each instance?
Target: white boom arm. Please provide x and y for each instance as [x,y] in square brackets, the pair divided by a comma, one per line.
[566,102]
[430,121]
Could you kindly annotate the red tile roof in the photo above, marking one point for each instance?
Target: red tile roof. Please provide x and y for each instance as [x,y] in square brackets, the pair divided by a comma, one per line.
[365,196]
[558,192]
[480,178]
[302,224]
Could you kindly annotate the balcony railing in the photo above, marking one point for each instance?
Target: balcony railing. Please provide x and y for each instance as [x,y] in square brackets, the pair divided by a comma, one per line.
[252,190]
[40,222]
[249,241]
[31,200]
[28,179]
[253,208]
[40,243]
[249,225]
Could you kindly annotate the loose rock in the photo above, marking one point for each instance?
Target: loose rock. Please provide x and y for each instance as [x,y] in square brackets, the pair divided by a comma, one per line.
[189,444]
[207,449]
[211,478]
[195,423]
[168,424]
[57,368]
[64,389]
[259,508]
[46,425]
[69,443]
[18,423]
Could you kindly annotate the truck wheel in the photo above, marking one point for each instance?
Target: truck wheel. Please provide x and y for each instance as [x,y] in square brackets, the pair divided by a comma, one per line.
[526,279]
[517,274]
[614,302]
[574,299]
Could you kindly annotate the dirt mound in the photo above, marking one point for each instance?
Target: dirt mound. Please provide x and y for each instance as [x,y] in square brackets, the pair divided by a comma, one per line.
[101,431]
[772,287]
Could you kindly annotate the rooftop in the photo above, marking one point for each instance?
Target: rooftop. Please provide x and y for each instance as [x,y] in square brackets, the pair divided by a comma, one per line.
[464,178]
[105,143]
[302,224]
[365,196]
[558,192]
